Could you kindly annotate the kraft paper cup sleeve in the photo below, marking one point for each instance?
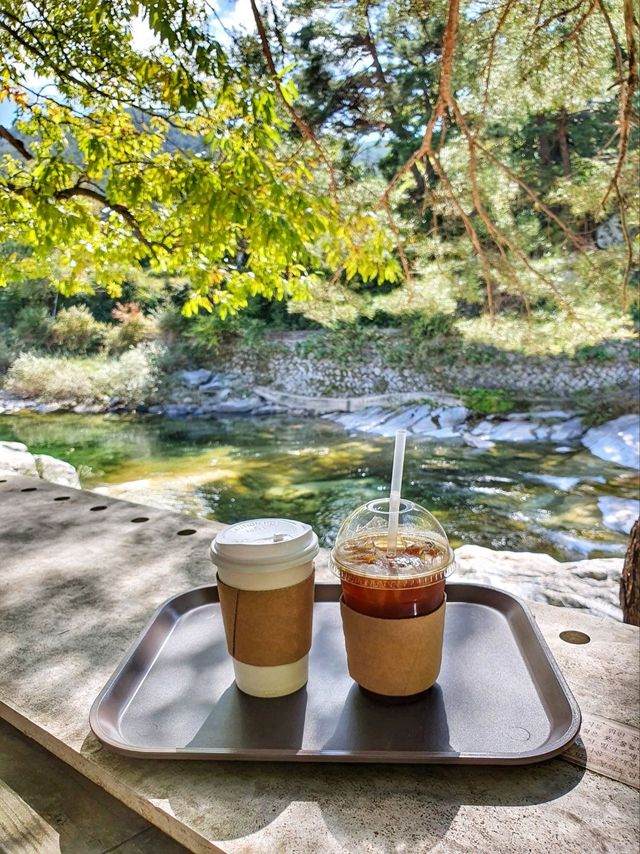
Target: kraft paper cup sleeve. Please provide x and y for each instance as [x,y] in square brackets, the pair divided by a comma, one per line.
[267,628]
[396,658]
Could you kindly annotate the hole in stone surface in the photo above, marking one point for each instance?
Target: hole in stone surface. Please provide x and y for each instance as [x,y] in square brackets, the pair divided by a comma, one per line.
[141,519]
[186,531]
[29,489]
[99,507]
[572,636]
[2,480]
[62,498]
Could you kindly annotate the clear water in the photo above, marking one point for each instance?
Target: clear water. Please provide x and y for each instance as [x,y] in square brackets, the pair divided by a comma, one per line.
[310,469]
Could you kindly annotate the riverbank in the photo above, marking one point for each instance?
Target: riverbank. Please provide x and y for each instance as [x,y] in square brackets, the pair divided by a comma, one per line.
[318,372]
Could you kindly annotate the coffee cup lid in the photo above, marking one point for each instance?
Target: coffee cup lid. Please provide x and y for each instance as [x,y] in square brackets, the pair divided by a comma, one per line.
[264,544]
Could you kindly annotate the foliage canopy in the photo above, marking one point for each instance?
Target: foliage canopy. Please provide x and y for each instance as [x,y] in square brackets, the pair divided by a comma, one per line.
[502,135]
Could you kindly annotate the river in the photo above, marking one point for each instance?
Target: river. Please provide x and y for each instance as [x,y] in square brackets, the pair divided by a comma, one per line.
[514,496]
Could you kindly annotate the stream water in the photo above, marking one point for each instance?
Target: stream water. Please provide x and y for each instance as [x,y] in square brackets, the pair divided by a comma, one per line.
[518,497]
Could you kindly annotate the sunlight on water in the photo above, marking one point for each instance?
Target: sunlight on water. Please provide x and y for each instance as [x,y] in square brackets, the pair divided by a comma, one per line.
[310,469]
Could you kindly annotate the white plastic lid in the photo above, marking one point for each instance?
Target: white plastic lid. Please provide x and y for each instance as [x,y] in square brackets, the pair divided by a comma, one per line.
[264,544]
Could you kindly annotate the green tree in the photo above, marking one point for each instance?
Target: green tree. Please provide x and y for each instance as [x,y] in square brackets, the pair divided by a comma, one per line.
[504,124]
[171,158]
[507,128]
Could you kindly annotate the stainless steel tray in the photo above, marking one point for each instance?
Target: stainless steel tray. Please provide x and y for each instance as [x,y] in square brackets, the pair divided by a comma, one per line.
[500,698]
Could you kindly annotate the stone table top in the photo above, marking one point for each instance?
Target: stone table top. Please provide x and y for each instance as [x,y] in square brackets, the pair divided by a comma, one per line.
[80,575]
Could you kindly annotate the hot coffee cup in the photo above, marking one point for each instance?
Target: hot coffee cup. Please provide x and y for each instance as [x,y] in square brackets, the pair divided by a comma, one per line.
[266,590]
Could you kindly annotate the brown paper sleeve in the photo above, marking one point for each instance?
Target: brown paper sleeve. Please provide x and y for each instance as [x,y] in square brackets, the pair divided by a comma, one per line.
[268,627]
[393,657]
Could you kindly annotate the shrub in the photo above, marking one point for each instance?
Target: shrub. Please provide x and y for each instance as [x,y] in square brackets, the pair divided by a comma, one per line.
[49,378]
[132,378]
[133,328]
[420,326]
[75,330]
[592,353]
[487,401]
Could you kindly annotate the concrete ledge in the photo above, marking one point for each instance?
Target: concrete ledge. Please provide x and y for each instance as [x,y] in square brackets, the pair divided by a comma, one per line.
[78,583]
[323,405]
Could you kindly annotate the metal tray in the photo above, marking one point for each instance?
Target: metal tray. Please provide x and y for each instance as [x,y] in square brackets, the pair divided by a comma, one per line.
[500,697]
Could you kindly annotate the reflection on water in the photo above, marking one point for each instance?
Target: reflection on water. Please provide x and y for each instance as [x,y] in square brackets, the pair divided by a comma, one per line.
[519,497]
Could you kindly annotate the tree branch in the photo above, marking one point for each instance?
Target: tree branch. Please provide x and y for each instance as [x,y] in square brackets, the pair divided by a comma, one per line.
[299,122]
[16,143]
[629,85]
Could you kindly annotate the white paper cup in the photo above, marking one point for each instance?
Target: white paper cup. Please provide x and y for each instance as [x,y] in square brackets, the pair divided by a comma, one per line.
[266,554]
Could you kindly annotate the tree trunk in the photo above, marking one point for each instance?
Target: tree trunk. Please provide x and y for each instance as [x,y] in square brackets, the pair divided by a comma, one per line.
[564,143]
[630,580]
[544,143]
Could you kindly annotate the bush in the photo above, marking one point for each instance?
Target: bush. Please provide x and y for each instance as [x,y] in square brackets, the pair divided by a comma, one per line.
[75,330]
[421,326]
[592,353]
[132,378]
[133,328]
[487,401]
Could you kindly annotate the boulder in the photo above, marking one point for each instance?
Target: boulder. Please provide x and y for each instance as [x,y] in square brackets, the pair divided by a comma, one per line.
[16,459]
[617,441]
[588,584]
[619,514]
[452,416]
[59,406]
[362,419]
[195,378]
[565,484]
[514,431]
[477,442]
[483,429]
[238,405]
[179,410]
[425,426]
[551,414]
[56,471]
[567,430]
[401,420]
[214,386]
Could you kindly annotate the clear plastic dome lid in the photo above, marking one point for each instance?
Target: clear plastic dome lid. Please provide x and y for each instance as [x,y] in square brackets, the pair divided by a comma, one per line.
[363,549]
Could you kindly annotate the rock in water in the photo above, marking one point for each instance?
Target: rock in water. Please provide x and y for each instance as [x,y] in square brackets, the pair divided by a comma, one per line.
[617,441]
[556,481]
[567,430]
[515,431]
[619,514]
[452,416]
[477,442]
[57,471]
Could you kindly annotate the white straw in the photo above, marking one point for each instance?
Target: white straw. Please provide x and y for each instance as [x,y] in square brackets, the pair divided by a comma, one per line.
[394,494]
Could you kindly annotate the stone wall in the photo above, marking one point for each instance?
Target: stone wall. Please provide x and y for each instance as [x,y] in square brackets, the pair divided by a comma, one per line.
[284,367]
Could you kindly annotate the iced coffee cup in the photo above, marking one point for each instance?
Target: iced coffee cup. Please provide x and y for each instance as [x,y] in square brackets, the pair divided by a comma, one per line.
[393,557]
[265,585]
